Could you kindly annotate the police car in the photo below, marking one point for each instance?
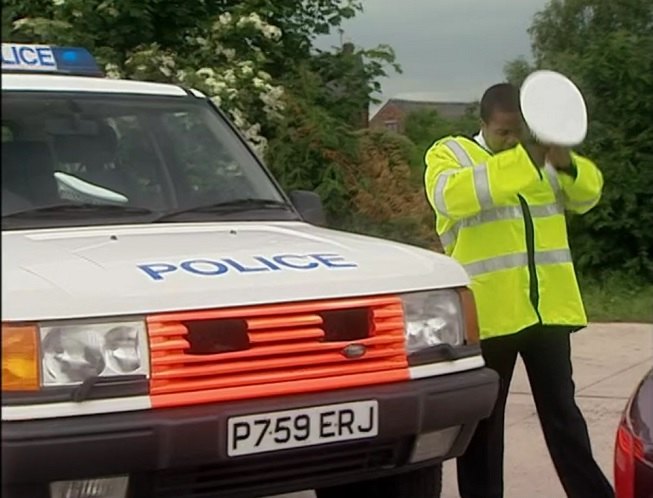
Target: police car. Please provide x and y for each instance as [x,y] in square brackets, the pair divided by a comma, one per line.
[175,325]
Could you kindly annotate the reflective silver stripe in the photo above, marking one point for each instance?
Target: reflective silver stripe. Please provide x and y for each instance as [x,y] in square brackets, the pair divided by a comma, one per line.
[560,194]
[553,257]
[449,237]
[545,210]
[499,213]
[459,152]
[513,213]
[495,214]
[510,261]
[497,263]
[482,186]
[552,174]
[438,194]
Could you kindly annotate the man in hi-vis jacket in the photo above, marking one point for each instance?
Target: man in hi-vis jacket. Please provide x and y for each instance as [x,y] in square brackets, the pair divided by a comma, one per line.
[499,200]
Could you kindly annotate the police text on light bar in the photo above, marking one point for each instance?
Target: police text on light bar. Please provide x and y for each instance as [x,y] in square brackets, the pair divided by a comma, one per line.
[44,58]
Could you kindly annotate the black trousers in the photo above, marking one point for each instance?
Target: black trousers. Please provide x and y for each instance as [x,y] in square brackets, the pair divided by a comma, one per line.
[547,358]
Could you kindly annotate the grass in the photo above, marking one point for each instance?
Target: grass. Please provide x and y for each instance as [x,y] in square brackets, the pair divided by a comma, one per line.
[617,298]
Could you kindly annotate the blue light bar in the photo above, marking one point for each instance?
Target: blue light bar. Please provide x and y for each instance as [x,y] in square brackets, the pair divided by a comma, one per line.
[17,57]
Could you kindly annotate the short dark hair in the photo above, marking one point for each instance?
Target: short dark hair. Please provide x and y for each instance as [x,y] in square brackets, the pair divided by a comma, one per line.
[500,97]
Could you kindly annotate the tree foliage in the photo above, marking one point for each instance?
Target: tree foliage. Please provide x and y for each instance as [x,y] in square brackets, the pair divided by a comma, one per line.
[423,127]
[311,147]
[362,69]
[517,70]
[121,25]
[388,199]
[605,46]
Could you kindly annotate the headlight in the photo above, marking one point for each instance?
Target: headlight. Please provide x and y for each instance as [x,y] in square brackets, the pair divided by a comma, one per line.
[432,318]
[72,353]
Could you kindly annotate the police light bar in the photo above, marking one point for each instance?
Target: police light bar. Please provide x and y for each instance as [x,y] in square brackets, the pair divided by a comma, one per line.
[23,58]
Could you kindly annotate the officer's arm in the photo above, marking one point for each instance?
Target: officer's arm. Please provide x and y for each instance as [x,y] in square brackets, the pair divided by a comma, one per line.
[582,185]
[459,192]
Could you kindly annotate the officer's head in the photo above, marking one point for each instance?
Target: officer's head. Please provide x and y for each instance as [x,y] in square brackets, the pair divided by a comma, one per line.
[501,119]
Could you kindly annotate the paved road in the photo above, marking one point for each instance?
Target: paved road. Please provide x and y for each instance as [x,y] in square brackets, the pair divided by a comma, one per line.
[609,360]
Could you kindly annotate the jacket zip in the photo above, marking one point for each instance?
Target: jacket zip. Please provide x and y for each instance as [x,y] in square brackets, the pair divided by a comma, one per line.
[534,285]
[534,290]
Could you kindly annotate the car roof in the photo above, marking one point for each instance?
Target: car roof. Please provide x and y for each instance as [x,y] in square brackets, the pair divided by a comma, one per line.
[58,83]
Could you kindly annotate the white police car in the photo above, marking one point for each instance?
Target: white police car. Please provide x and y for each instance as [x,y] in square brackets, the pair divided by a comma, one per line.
[175,325]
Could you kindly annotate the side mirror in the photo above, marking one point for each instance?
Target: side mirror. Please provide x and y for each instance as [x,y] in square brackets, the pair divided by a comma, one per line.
[309,206]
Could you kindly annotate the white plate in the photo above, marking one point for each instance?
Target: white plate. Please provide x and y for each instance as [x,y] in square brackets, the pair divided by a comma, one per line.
[265,432]
[553,108]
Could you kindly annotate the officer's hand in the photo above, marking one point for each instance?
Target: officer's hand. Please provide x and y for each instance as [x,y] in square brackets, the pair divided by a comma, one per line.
[558,156]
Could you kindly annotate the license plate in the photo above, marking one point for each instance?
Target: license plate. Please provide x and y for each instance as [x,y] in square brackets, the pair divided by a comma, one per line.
[313,426]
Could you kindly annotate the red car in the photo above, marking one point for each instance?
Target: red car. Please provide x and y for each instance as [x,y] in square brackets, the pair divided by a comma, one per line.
[633,456]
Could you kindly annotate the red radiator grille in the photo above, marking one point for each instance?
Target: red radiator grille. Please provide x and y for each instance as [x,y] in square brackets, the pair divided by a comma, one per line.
[287,353]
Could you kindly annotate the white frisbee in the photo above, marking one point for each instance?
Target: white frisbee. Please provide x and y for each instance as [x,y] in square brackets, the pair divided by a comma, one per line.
[553,108]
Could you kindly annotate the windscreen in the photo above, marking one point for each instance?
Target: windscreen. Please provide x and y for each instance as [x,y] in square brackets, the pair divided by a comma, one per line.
[124,159]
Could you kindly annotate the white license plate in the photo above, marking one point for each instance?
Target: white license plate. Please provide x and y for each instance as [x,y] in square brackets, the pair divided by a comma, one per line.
[324,424]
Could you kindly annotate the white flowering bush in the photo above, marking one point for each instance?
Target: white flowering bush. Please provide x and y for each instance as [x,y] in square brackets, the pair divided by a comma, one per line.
[233,79]
[226,64]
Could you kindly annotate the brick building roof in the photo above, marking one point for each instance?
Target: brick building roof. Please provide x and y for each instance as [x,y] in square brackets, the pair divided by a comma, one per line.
[394,112]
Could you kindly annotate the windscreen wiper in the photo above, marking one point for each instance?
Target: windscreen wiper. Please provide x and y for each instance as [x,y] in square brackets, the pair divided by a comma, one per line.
[232,206]
[77,208]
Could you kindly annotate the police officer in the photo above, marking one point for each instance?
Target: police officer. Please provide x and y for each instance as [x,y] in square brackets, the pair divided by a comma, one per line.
[500,201]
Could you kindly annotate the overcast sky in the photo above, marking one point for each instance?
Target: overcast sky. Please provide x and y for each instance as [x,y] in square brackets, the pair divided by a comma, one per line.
[448,49]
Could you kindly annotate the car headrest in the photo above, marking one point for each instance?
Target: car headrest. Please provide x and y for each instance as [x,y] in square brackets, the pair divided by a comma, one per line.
[97,149]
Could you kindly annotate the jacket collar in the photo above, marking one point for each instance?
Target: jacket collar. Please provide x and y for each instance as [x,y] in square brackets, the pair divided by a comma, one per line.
[480,140]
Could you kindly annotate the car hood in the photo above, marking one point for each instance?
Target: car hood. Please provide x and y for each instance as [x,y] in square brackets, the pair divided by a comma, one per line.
[134,270]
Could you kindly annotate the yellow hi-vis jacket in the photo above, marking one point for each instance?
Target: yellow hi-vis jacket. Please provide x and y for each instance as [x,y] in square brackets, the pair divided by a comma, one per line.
[503,219]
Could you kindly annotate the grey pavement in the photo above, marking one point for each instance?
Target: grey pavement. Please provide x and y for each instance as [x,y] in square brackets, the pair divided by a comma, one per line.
[609,360]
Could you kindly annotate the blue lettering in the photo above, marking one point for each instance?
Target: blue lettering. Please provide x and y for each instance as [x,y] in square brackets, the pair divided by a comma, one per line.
[22,56]
[14,52]
[267,263]
[216,268]
[28,55]
[7,56]
[157,269]
[281,259]
[243,269]
[209,267]
[45,56]
[333,261]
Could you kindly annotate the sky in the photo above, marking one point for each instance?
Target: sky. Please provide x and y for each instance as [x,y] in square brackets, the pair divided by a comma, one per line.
[448,49]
